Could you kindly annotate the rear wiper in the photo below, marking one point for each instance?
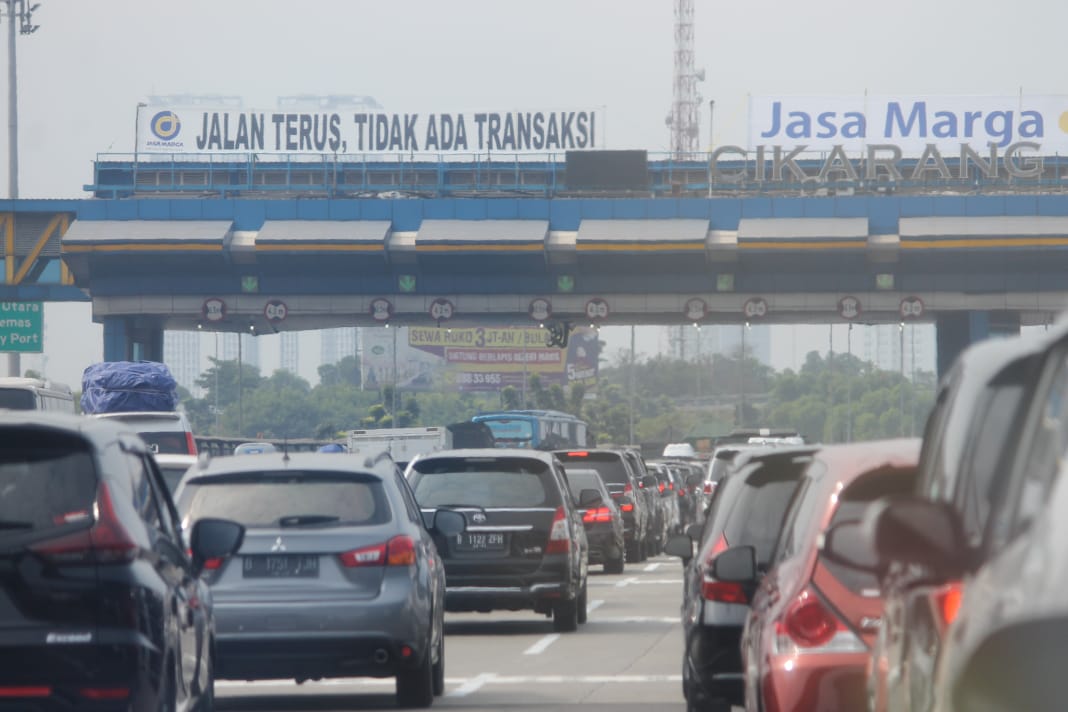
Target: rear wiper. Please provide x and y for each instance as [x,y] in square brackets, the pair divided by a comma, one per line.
[300,520]
[15,525]
[479,507]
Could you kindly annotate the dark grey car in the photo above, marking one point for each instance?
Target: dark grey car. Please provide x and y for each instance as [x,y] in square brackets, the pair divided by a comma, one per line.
[337,577]
[525,546]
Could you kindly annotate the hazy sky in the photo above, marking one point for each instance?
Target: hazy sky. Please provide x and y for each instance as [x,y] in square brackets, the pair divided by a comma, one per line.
[83,73]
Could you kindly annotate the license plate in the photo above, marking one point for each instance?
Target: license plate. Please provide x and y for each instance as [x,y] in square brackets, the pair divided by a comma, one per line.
[281,566]
[479,541]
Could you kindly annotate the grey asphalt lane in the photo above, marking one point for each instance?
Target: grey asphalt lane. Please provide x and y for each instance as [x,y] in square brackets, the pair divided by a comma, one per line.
[625,659]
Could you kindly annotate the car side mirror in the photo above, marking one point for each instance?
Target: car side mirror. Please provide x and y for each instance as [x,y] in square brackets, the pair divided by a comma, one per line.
[913,530]
[845,544]
[694,531]
[737,565]
[649,482]
[590,498]
[214,539]
[680,545]
[448,522]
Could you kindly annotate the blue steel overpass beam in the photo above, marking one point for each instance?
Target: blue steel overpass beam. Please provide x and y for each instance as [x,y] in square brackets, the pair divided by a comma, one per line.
[955,331]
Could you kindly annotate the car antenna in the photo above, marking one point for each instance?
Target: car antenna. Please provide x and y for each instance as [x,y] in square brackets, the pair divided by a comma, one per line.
[285,448]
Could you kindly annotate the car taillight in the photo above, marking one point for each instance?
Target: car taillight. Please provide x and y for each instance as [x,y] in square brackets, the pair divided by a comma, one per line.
[810,627]
[105,542]
[601,514]
[723,591]
[190,443]
[398,551]
[578,453]
[660,487]
[710,487]
[39,691]
[104,693]
[626,507]
[559,536]
[947,602]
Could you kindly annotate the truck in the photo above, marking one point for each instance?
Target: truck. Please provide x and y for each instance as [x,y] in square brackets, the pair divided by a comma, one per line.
[403,444]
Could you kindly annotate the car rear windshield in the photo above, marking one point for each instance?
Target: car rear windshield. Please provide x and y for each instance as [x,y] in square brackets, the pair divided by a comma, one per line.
[17,399]
[166,443]
[852,503]
[583,479]
[759,508]
[47,480]
[608,464]
[483,482]
[281,499]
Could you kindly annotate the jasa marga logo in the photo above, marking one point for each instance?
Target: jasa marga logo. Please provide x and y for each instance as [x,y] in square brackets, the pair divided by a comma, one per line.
[166,126]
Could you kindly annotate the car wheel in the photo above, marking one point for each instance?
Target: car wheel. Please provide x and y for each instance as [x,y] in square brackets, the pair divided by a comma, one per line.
[439,669]
[583,599]
[415,687]
[634,551]
[206,703]
[565,616]
[614,566]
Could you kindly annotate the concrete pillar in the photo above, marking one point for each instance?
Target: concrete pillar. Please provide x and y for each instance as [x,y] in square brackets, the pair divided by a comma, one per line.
[124,341]
[955,331]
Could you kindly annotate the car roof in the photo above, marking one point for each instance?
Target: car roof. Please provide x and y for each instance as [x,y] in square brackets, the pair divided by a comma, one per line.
[380,464]
[489,452]
[98,430]
[846,462]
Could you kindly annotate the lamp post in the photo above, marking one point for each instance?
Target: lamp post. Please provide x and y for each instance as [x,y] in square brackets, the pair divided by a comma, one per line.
[137,131]
[16,10]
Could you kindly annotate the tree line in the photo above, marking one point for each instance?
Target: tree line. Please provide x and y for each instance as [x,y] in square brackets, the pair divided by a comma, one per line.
[831,398]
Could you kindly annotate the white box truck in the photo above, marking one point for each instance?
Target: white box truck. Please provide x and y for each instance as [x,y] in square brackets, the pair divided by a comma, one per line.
[403,444]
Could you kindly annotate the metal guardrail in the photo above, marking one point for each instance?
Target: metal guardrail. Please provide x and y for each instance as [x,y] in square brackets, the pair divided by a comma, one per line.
[218,446]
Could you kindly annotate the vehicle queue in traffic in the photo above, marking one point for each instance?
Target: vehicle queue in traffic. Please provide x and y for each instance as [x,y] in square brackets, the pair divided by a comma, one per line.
[914,574]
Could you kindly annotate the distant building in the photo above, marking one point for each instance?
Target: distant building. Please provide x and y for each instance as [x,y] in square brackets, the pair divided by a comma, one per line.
[892,347]
[289,358]
[338,343]
[250,349]
[690,343]
[181,353]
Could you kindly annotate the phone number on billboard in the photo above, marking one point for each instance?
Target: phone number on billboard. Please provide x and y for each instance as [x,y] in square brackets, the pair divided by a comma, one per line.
[468,379]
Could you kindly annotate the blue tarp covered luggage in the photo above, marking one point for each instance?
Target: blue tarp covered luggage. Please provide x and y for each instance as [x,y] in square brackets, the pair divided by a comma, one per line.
[121,386]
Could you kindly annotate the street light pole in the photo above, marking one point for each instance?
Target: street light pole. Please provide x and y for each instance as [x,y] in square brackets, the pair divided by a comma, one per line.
[16,10]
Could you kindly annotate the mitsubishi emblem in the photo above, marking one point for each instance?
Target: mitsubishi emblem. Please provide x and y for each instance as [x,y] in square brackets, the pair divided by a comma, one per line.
[278,545]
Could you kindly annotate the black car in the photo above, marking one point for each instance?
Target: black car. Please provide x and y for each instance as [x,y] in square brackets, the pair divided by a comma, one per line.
[748,509]
[968,439]
[524,546]
[622,482]
[603,520]
[101,606]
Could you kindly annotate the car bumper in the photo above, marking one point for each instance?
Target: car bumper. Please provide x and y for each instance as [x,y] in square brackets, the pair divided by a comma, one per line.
[491,587]
[313,639]
[604,544]
[806,683]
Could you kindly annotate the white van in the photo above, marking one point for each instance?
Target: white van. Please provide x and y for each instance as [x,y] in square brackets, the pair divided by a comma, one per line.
[35,394]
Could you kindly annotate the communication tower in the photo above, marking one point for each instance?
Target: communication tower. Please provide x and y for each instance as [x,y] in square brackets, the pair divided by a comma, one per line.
[684,119]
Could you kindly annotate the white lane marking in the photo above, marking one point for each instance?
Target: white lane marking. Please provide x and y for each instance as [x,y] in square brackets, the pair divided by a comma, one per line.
[594,605]
[540,647]
[636,619]
[623,582]
[473,685]
[652,567]
[582,679]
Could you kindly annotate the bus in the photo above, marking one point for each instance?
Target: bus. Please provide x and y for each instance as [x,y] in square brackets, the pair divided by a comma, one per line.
[35,394]
[536,429]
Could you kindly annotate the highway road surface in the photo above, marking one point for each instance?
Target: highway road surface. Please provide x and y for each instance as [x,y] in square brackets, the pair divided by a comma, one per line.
[627,658]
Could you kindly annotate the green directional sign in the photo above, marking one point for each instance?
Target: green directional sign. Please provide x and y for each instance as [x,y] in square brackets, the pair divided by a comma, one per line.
[250,284]
[565,283]
[884,281]
[725,282]
[22,327]
[406,283]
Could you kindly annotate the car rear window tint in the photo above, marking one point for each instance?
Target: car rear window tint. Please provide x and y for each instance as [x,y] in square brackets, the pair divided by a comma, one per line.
[609,465]
[760,506]
[47,480]
[484,482]
[270,501]
[578,481]
[166,443]
[17,399]
[852,503]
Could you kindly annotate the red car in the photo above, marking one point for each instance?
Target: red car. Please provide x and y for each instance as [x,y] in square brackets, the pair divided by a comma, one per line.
[814,617]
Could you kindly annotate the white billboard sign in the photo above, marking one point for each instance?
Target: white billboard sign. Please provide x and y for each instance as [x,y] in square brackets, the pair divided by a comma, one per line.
[191,130]
[909,122]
